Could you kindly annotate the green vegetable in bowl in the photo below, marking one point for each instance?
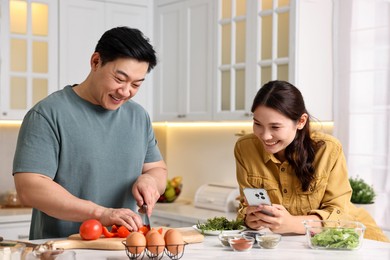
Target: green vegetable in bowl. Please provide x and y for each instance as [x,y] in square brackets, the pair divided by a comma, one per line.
[339,238]
[220,223]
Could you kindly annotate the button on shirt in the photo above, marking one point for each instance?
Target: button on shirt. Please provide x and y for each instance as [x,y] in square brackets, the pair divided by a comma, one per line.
[328,196]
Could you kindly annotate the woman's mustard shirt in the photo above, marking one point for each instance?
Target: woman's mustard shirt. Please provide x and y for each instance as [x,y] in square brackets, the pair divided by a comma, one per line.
[328,196]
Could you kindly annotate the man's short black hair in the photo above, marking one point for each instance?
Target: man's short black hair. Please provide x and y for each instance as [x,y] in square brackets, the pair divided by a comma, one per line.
[125,42]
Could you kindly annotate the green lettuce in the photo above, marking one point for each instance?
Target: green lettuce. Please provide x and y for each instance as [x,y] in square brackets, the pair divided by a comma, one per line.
[336,238]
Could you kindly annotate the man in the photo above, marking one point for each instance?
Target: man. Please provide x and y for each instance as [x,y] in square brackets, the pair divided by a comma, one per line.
[88,151]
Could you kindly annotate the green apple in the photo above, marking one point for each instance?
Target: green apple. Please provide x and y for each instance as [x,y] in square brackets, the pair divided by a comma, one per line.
[170,194]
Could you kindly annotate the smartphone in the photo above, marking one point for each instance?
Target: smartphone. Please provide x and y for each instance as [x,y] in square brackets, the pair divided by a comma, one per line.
[257,196]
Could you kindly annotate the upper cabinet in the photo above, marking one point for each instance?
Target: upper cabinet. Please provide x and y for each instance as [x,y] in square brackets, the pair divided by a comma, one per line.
[259,41]
[213,55]
[28,54]
[38,59]
[82,22]
[253,42]
[184,76]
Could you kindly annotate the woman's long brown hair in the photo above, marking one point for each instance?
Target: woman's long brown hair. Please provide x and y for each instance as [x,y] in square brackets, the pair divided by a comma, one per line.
[287,99]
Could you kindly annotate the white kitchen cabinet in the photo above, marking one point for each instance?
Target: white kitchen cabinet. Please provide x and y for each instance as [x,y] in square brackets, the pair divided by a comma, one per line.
[28,54]
[15,231]
[82,22]
[184,43]
[259,41]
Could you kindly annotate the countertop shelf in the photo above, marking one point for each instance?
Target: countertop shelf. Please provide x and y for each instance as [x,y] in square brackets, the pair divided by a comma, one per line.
[12,215]
[184,210]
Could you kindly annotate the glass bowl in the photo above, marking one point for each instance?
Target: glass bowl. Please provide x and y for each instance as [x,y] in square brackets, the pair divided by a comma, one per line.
[241,244]
[11,250]
[334,235]
[224,238]
[253,233]
[170,194]
[268,240]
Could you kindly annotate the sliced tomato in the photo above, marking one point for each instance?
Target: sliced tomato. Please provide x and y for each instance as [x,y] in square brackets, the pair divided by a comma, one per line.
[107,233]
[114,228]
[123,232]
[144,230]
[160,230]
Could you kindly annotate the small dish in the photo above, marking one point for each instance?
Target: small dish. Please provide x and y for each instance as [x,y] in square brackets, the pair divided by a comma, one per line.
[241,244]
[217,232]
[224,238]
[253,233]
[268,240]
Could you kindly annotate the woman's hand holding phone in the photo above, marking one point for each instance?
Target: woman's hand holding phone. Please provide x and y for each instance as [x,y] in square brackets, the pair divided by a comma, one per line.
[258,197]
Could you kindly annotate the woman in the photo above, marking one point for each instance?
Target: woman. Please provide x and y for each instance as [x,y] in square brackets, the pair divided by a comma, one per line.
[304,172]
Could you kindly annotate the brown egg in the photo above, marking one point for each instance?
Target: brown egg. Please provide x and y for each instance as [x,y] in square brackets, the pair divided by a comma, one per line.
[155,243]
[135,243]
[174,241]
[150,232]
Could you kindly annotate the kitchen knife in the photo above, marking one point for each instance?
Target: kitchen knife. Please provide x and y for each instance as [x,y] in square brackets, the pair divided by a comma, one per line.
[145,217]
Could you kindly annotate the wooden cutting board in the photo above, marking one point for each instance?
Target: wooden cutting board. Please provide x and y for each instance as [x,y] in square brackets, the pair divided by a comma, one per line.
[189,234]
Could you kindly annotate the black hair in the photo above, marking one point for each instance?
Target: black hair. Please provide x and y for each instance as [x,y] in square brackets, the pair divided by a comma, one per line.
[125,42]
[288,100]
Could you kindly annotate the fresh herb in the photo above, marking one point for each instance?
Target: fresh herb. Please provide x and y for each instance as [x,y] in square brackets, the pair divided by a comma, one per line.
[362,193]
[220,223]
[339,238]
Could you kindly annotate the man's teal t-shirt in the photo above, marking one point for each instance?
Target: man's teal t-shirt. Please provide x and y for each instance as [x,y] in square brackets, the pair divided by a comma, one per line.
[94,153]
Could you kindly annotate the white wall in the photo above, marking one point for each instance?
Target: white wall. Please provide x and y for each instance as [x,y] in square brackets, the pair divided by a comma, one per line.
[200,153]
[8,136]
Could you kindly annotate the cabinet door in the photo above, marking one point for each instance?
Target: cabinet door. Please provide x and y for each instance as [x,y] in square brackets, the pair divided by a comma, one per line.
[259,41]
[28,54]
[81,25]
[183,80]
[15,231]
[134,16]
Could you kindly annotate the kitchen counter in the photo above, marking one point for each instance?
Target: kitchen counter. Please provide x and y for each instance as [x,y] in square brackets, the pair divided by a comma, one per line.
[12,215]
[291,247]
[185,211]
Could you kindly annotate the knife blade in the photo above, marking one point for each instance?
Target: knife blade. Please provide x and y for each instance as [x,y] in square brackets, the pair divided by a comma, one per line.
[145,217]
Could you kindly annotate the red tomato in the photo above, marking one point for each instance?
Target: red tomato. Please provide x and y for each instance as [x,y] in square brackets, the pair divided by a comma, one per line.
[114,229]
[107,233]
[91,229]
[123,232]
[144,229]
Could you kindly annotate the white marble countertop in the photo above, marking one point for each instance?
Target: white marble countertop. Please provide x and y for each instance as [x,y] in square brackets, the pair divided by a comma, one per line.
[12,215]
[291,247]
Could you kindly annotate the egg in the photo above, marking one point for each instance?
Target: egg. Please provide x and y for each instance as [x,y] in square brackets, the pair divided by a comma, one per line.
[155,243]
[174,241]
[136,243]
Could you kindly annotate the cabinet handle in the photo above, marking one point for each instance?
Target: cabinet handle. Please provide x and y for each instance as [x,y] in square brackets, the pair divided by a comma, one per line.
[248,114]
[181,116]
[23,237]
[158,224]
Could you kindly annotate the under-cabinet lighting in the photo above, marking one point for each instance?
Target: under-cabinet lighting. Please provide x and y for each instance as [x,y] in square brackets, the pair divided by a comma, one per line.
[203,124]
[10,122]
[223,124]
